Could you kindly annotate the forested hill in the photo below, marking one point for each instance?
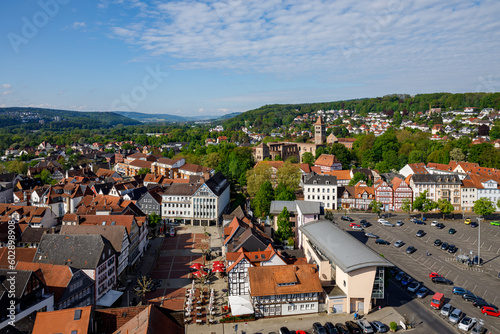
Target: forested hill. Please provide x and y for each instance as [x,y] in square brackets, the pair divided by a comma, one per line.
[37,118]
[272,116]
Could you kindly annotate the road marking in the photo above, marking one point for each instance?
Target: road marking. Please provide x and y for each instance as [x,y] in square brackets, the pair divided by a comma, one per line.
[466,282]
[433,265]
[467,239]
[456,279]
[426,261]
[441,268]
[495,299]
[460,237]
[418,258]
[489,248]
[474,288]
[448,273]
[498,250]
[484,294]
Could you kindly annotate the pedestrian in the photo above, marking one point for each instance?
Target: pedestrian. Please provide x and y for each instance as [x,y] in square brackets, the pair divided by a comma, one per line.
[355,315]
[427,253]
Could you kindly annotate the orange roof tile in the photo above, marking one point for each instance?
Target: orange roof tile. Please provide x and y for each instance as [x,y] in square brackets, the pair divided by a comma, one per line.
[63,321]
[327,160]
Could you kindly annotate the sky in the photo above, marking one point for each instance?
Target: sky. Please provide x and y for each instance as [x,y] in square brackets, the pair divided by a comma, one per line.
[203,57]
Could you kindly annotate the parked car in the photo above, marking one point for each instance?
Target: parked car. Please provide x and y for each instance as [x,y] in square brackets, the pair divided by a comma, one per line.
[478,329]
[419,222]
[467,221]
[446,310]
[357,228]
[380,327]
[490,311]
[434,223]
[318,328]
[410,250]
[422,292]
[437,242]
[455,316]
[474,224]
[413,286]
[399,223]
[444,246]
[495,223]
[459,291]
[381,220]
[284,330]
[452,249]
[365,224]
[353,224]
[387,224]
[434,274]
[470,297]
[330,328]
[467,323]
[413,219]
[399,243]
[342,328]
[399,276]
[346,218]
[353,327]
[441,280]
[440,226]
[371,235]
[481,303]
[365,326]
[452,231]
[420,233]
[406,280]
[362,221]
[382,242]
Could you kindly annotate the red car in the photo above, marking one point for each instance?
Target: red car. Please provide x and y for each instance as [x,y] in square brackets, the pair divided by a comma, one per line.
[353,224]
[433,274]
[490,311]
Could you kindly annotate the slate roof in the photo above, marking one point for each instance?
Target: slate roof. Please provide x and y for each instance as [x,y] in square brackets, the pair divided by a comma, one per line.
[113,233]
[217,183]
[278,206]
[181,189]
[340,247]
[309,207]
[21,281]
[322,180]
[79,251]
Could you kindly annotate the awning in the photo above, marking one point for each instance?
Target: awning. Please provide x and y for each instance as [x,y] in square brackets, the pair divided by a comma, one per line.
[240,305]
[109,298]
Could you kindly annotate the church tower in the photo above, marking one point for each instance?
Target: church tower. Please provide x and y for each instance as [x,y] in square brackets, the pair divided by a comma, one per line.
[319,131]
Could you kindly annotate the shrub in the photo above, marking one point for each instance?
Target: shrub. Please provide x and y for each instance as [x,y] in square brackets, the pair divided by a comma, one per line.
[393,326]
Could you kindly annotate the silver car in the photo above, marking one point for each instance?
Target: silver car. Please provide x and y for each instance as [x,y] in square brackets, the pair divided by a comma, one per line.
[455,316]
[446,310]
[387,224]
[399,243]
[380,327]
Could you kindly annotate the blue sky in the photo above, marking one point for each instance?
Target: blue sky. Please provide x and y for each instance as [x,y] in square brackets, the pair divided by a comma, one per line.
[214,57]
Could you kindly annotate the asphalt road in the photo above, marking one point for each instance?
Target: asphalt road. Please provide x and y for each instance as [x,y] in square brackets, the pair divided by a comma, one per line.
[480,280]
[424,319]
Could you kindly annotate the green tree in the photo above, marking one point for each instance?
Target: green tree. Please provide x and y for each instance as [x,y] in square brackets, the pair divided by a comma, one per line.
[256,177]
[495,133]
[153,221]
[457,154]
[308,158]
[284,193]
[211,160]
[424,204]
[46,177]
[417,156]
[407,206]
[143,171]
[329,214]
[263,199]
[358,176]
[444,206]
[289,174]
[483,207]
[284,226]
[376,207]
[17,167]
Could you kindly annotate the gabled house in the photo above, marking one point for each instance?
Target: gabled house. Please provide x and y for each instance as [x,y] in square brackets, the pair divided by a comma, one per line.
[71,287]
[401,191]
[150,202]
[79,320]
[322,188]
[239,262]
[328,162]
[385,195]
[92,253]
[29,292]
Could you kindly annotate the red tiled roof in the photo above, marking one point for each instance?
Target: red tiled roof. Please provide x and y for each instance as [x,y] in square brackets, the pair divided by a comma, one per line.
[63,321]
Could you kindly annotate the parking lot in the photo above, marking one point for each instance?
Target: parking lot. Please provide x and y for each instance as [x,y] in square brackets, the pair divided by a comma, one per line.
[482,281]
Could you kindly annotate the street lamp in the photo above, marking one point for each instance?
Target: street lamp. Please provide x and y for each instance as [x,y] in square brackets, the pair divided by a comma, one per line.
[479,241]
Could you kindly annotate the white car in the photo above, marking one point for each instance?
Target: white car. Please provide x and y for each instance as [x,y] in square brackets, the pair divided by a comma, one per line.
[466,324]
[381,221]
[371,235]
[434,223]
[387,224]
[446,310]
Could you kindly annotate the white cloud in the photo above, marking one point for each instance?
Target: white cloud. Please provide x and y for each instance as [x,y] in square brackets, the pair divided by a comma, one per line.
[6,86]
[7,92]
[289,37]
[79,25]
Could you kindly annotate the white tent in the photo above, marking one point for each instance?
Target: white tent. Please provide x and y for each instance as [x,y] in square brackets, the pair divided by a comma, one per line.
[240,305]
